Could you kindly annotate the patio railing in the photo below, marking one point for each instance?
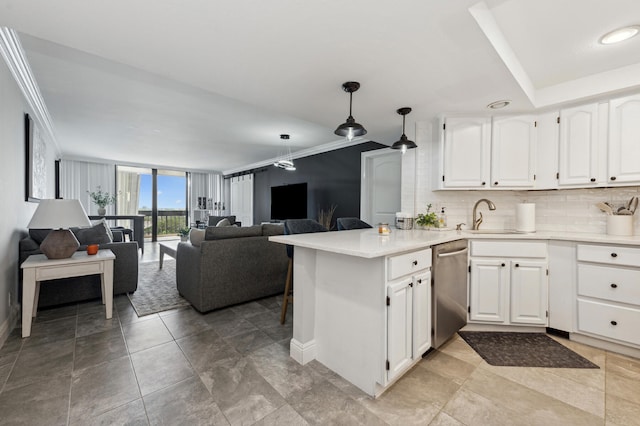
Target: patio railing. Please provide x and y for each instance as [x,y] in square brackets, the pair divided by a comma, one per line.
[169,222]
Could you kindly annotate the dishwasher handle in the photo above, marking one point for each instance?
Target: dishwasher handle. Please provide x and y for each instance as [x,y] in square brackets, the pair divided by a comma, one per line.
[452,253]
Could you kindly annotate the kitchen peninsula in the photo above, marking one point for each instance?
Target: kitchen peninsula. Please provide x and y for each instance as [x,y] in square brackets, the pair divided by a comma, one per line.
[341,285]
[343,282]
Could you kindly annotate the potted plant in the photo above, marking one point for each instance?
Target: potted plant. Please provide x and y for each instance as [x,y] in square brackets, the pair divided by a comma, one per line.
[184,233]
[102,199]
[429,220]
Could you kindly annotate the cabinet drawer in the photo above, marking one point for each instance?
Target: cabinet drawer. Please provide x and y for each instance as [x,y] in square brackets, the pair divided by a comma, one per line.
[605,282]
[65,271]
[614,322]
[408,263]
[613,255]
[509,248]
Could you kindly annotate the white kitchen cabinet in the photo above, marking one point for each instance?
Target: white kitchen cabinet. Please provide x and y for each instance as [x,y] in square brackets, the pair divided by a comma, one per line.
[579,146]
[466,153]
[508,290]
[408,311]
[608,292]
[624,140]
[421,314]
[529,298]
[547,146]
[488,290]
[399,327]
[513,147]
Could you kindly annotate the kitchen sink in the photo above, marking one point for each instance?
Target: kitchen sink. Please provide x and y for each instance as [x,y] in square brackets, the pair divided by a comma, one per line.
[491,231]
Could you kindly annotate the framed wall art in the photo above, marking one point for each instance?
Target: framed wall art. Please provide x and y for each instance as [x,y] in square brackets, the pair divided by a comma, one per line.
[36,164]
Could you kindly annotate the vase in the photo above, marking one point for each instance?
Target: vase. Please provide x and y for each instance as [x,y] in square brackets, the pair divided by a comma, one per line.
[102,211]
[184,238]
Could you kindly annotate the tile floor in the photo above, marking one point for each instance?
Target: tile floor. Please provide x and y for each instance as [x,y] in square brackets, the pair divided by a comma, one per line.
[232,367]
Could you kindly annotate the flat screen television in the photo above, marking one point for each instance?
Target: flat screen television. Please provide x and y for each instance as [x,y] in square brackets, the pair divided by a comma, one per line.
[289,201]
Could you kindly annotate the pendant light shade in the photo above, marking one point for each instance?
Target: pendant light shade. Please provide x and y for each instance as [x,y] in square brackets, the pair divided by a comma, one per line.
[285,159]
[404,143]
[350,129]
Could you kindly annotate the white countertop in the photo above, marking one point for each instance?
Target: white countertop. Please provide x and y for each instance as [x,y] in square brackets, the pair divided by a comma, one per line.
[369,244]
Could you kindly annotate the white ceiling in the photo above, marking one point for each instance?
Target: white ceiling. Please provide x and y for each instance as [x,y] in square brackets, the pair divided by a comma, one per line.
[210,84]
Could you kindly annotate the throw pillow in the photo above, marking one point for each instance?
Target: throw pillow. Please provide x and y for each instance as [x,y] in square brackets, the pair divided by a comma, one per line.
[38,235]
[103,222]
[196,236]
[94,235]
[224,222]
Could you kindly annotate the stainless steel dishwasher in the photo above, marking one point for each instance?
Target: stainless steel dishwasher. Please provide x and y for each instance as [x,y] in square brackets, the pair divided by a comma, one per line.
[449,272]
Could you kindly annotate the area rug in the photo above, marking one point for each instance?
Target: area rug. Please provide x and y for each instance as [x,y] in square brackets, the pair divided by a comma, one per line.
[157,290]
[523,350]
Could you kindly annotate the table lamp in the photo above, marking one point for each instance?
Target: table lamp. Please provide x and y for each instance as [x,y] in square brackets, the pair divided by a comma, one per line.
[59,215]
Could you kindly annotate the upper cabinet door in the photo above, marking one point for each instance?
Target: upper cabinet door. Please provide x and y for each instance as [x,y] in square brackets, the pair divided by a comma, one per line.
[513,143]
[579,145]
[466,152]
[547,139]
[624,140]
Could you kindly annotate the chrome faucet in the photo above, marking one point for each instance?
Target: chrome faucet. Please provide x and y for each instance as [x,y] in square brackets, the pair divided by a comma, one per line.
[478,221]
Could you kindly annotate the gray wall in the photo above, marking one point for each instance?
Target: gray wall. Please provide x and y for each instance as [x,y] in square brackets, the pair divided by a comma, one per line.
[333,178]
[16,213]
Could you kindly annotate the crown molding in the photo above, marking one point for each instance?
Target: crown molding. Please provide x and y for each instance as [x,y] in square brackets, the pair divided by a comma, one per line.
[331,146]
[16,60]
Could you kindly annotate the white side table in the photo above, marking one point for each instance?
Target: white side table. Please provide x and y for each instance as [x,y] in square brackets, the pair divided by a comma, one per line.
[38,268]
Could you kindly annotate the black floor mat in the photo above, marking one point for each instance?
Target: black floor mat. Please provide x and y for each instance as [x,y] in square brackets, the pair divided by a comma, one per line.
[523,350]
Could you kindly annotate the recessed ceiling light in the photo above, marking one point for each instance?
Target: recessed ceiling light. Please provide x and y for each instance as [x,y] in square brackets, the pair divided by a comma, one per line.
[498,104]
[621,34]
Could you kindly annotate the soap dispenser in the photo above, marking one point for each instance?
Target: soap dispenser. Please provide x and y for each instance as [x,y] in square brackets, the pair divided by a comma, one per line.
[442,219]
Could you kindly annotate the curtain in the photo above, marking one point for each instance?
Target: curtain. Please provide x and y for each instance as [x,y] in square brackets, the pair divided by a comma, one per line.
[128,192]
[79,178]
[207,186]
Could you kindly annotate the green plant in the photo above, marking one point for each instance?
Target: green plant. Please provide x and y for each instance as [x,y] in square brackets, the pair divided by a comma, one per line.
[100,198]
[183,232]
[430,219]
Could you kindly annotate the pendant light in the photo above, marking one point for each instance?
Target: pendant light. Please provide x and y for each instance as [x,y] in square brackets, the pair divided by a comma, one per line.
[350,129]
[285,159]
[404,143]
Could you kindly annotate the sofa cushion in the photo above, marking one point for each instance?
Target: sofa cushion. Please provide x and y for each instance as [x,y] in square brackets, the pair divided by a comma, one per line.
[196,236]
[269,229]
[95,235]
[225,232]
[38,235]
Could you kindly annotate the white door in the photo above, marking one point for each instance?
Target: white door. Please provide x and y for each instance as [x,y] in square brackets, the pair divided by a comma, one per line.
[242,199]
[488,290]
[513,142]
[529,292]
[399,332]
[421,314]
[624,139]
[381,186]
[547,140]
[466,152]
[579,145]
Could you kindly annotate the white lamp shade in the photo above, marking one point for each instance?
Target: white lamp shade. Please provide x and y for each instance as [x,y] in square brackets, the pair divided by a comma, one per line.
[59,214]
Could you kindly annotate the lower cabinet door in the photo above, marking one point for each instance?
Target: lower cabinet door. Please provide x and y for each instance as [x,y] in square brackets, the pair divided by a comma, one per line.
[399,329]
[421,314]
[488,290]
[529,292]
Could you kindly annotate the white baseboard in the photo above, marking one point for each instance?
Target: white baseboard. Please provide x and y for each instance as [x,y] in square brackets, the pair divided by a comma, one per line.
[9,324]
[632,351]
[302,352]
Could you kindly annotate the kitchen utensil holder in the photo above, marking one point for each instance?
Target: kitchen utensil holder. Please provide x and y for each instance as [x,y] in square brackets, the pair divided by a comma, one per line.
[621,225]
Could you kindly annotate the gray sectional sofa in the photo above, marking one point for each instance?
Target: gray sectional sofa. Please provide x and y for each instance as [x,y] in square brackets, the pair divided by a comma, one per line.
[68,290]
[231,265]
